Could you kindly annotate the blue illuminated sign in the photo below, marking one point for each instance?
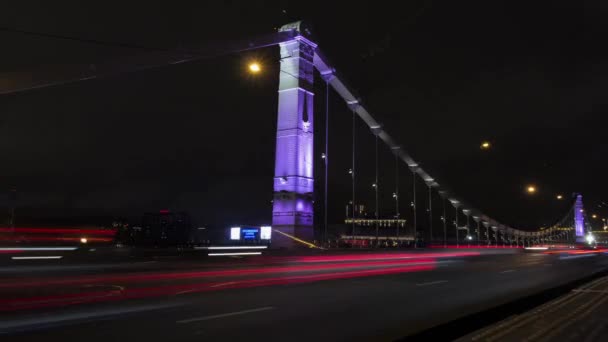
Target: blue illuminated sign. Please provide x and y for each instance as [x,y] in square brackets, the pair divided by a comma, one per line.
[250,233]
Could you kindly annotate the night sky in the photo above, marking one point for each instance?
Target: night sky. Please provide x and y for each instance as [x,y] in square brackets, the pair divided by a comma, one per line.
[199,137]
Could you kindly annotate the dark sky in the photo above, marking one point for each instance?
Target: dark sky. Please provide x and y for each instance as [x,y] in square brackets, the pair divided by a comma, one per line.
[441,75]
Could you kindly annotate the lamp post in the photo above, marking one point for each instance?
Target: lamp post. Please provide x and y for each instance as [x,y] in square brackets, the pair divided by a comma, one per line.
[353,106]
[467,214]
[478,221]
[456,204]
[445,219]
[396,193]
[376,130]
[503,240]
[487,225]
[414,168]
[430,182]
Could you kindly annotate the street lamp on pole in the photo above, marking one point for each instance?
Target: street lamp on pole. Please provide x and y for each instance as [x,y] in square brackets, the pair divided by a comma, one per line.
[414,168]
[396,193]
[376,130]
[467,214]
[456,205]
[430,182]
[487,225]
[443,195]
[477,220]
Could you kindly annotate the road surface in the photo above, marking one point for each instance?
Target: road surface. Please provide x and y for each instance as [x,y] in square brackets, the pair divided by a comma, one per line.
[351,297]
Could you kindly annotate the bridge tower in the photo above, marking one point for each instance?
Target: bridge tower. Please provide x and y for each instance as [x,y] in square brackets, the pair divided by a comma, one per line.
[292,211]
[579,220]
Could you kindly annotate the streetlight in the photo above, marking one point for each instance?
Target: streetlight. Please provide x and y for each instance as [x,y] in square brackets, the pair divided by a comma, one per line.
[594,216]
[485,145]
[254,67]
[559,197]
[531,189]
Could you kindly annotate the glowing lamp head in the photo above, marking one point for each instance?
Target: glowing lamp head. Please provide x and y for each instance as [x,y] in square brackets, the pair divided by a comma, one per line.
[255,67]
[83,240]
[485,145]
[531,189]
[469,237]
[559,197]
[590,238]
[594,216]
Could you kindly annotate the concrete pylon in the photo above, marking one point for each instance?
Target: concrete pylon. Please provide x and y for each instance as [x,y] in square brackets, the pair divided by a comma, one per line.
[579,220]
[292,211]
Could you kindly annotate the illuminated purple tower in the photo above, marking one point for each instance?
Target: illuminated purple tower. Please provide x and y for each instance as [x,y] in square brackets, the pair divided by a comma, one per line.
[292,211]
[579,220]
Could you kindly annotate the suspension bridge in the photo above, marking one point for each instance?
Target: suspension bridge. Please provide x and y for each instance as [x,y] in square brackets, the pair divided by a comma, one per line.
[423,288]
[294,197]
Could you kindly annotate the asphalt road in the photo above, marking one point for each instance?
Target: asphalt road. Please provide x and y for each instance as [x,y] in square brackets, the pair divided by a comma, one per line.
[362,297]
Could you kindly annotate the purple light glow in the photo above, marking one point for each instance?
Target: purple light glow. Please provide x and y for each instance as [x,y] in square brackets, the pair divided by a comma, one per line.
[293,179]
[579,220]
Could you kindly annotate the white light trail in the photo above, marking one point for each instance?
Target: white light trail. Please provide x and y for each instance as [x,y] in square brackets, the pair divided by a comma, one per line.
[235,253]
[37,257]
[231,247]
[19,249]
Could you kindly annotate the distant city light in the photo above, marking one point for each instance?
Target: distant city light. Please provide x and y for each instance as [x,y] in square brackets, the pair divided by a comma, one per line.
[373,185]
[469,237]
[590,238]
[255,67]
[594,216]
[323,156]
[485,145]
[83,240]
[531,189]
[559,197]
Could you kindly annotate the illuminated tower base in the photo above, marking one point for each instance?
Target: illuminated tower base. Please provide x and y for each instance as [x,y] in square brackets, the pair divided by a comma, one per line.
[292,211]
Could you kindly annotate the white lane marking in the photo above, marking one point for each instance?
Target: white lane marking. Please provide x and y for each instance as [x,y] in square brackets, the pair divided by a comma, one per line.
[37,257]
[236,313]
[224,284]
[432,283]
[63,318]
[589,291]
[19,249]
[507,271]
[563,257]
[184,292]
